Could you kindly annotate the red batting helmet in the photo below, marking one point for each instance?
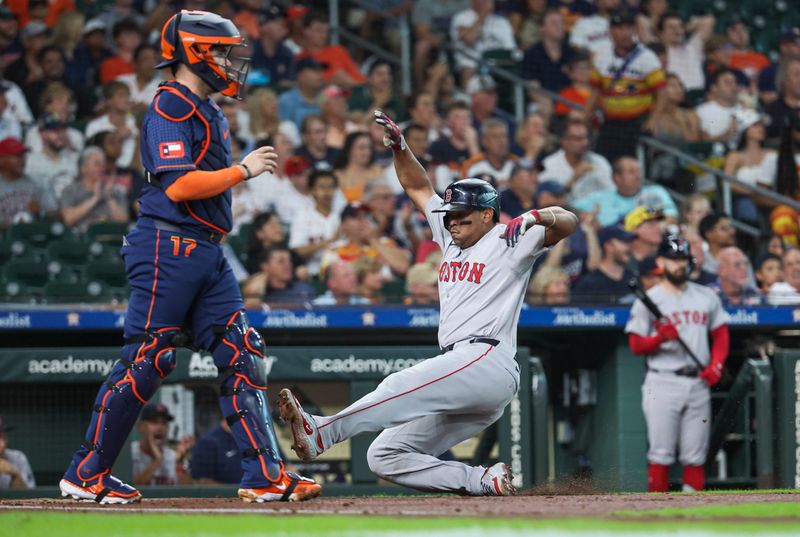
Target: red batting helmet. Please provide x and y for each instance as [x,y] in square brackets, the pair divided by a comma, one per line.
[204,42]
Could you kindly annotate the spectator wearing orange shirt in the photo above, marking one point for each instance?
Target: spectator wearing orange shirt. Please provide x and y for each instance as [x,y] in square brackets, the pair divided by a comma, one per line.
[247,19]
[741,56]
[127,38]
[339,66]
[579,71]
[54,8]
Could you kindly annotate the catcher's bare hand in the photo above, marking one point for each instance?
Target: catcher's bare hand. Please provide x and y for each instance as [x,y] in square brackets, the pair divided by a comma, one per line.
[392,136]
[263,159]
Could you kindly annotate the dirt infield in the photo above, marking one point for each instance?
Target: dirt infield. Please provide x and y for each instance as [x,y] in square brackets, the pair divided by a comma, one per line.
[527,506]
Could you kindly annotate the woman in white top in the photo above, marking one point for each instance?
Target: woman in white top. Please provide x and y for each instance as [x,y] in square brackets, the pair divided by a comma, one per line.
[754,164]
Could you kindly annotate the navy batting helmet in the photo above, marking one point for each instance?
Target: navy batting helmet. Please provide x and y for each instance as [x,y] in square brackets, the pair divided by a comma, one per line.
[190,37]
[470,195]
[674,247]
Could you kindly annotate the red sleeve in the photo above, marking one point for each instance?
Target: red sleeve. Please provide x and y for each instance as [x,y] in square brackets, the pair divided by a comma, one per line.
[720,344]
[644,345]
[200,185]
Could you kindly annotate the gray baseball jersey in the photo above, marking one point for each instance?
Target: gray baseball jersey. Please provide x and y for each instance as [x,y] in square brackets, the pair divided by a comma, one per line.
[694,312]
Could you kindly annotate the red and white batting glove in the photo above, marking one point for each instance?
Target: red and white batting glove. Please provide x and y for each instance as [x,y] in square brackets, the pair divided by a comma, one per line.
[392,136]
[519,225]
[712,374]
[666,332]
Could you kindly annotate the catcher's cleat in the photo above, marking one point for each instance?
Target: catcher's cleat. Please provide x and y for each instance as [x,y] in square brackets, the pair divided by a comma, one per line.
[307,440]
[498,480]
[104,490]
[293,488]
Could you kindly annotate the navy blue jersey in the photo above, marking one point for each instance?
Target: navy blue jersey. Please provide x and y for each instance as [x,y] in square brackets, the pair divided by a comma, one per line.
[182,133]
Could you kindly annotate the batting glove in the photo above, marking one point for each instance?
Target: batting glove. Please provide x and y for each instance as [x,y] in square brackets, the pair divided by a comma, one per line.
[666,332]
[712,374]
[518,226]
[392,136]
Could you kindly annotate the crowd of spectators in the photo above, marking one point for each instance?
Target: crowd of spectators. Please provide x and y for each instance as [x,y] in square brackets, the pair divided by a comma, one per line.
[332,225]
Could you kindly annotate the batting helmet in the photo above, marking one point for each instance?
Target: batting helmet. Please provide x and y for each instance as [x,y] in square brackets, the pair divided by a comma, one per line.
[189,36]
[470,194]
[674,247]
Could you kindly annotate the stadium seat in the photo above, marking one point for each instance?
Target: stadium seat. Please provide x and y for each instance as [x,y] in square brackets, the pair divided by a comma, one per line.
[109,233]
[71,293]
[109,273]
[394,290]
[38,234]
[11,249]
[13,292]
[30,273]
[70,252]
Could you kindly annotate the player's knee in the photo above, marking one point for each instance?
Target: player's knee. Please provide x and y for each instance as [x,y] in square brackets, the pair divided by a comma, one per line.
[378,457]
[239,353]
[148,359]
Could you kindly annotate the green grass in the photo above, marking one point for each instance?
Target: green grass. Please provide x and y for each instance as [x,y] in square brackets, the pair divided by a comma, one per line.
[48,524]
[743,510]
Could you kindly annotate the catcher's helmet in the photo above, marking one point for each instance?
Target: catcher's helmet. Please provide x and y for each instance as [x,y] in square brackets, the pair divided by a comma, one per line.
[470,194]
[188,38]
[674,247]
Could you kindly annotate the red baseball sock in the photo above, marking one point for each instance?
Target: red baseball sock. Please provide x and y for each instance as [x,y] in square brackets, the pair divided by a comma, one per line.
[657,478]
[695,477]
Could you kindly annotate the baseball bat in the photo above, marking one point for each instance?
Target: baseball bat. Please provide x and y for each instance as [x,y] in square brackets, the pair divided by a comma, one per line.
[636,287]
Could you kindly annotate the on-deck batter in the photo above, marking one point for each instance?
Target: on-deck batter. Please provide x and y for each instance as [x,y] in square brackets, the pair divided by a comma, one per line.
[675,396]
[428,408]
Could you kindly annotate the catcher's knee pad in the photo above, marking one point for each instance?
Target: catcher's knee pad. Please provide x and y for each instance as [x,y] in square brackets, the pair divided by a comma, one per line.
[239,355]
[145,361]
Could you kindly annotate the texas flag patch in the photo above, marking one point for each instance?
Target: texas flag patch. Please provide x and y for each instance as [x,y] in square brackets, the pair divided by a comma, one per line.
[171,150]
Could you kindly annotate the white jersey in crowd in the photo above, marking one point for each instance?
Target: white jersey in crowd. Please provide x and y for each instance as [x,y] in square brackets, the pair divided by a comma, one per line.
[558,169]
[481,288]
[591,33]
[695,312]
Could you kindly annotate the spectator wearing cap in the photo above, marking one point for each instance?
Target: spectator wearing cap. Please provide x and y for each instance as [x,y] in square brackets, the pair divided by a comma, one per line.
[145,79]
[718,232]
[482,92]
[15,470]
[784,112]
[271,57]
[21,200]
[315,148]
[355,166]
[741,55]
[116,11]
[422,285]
[592,32]
[340,279]
[336,115]
[546,61]
[624,111]
[313,232]
[361,239]
[697,274]
[580,170]
[26,68]
[609,281]
[53,9]
[732,282]
[722,116]
[647,226]
[459,142]
[519,196]
[685,55]
[477,30]
[127,37]
[378,92]
[154,462]
[788,47]
[292,194]
[297,103]
[118,117]
[55,165]
[496,159]
[787,292]
[629,192]
[650,274]
[769,271]
[339,65]
[83,70]
[93,197]
[295,17]
[580,252]
[52,64]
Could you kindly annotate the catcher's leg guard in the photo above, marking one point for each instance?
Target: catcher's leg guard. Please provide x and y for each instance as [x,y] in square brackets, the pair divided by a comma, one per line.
[239,355]
[146,360]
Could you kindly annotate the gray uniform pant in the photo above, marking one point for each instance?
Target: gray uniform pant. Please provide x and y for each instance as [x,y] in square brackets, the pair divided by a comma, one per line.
[425,410]
[678,414]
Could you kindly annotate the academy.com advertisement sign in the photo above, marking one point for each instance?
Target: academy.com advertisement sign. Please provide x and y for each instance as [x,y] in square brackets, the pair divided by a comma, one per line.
[93,364]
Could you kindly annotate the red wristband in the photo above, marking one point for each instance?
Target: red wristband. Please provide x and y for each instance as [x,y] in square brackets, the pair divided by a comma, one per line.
[535,214]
